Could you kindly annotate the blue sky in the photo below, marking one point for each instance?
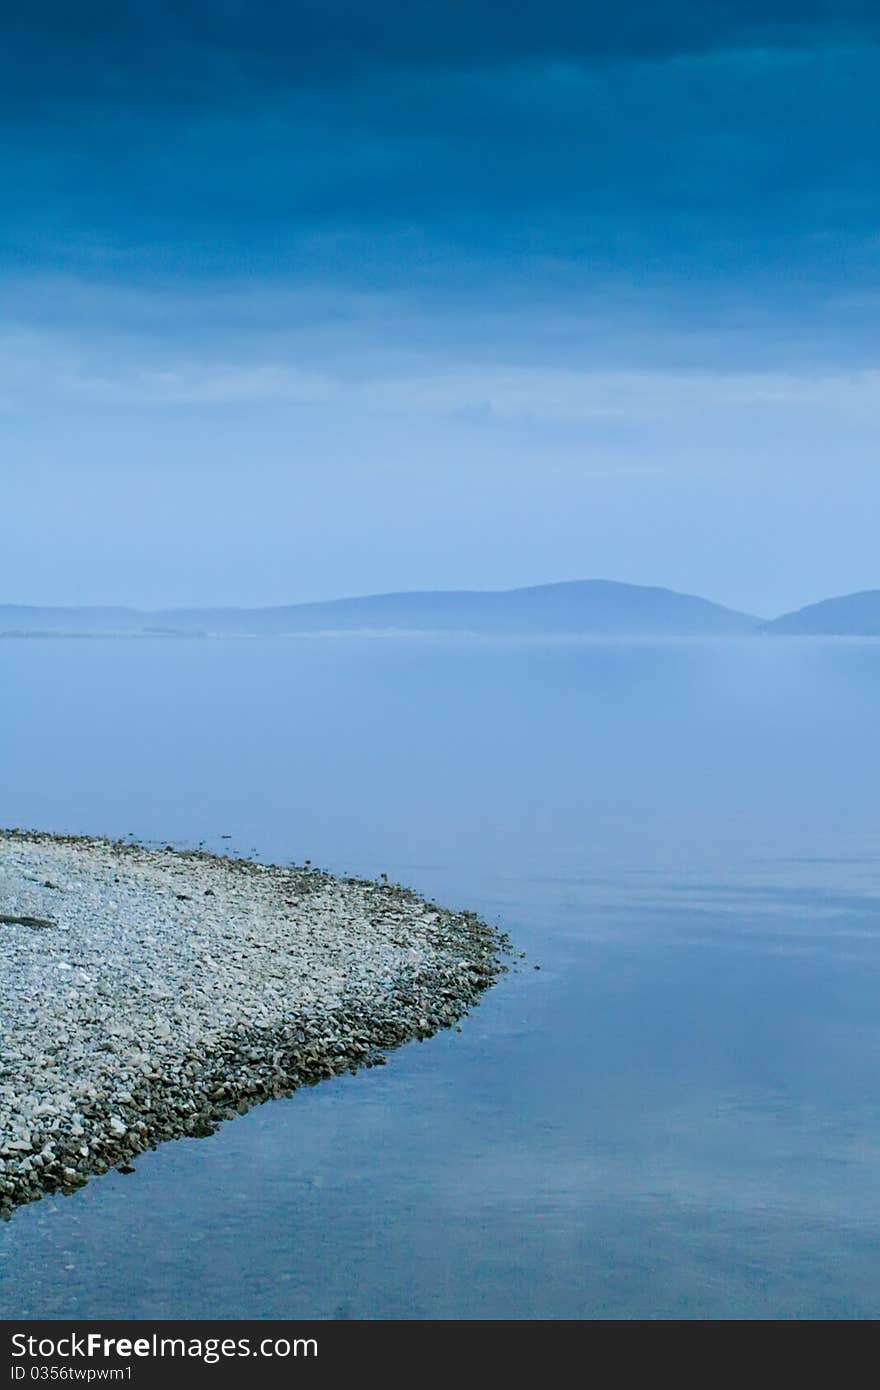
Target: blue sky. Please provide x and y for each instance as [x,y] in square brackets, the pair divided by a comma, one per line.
[305,300]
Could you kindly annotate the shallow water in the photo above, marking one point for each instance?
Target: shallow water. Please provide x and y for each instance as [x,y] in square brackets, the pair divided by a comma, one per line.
[677,1115]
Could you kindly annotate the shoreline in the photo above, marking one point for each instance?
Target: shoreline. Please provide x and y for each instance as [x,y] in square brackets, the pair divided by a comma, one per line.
[150,994]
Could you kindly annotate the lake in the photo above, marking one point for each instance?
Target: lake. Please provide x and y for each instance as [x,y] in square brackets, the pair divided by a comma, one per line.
[677,1115]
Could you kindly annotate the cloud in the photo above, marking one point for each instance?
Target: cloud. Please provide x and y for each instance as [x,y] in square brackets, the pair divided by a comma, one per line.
[181,52]
[54,369]
[460,148]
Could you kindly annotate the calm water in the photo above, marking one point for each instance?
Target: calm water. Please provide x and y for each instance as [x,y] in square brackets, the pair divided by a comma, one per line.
[678,1115]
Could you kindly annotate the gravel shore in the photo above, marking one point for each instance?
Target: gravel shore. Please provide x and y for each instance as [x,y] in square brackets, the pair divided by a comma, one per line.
[149,994]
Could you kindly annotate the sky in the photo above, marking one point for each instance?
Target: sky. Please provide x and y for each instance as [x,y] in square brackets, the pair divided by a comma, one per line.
[301,300]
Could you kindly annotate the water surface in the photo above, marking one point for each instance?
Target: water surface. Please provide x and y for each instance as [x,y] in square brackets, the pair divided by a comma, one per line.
[676,1116]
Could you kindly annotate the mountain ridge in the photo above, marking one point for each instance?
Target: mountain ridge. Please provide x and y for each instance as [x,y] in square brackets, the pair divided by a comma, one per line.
[566,608]
[847,615]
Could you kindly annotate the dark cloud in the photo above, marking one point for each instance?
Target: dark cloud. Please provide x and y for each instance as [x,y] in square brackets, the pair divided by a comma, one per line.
[548,145]
[179,50]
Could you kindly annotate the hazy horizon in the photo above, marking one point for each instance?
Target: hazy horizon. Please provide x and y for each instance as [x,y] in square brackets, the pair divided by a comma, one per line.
[388,593]
[362,593]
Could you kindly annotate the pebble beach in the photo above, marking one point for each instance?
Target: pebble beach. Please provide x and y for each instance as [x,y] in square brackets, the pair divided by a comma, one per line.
[149,994]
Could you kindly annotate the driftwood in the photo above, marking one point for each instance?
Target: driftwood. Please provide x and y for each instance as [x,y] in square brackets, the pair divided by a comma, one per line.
[8,920]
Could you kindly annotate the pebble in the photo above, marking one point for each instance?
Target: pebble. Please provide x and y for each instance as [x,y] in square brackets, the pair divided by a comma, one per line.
[178,988]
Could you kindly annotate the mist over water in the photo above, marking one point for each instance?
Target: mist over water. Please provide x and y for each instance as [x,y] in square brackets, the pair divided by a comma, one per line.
[677,1115]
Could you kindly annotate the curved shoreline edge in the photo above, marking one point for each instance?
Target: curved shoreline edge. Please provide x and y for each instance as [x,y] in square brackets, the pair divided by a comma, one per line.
[151,994]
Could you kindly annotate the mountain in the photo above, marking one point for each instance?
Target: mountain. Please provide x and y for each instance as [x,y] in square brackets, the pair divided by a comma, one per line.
[852,615]
[592,606]
[22,618]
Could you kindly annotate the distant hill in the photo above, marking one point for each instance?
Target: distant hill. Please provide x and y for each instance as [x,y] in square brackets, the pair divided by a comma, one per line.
[852,615]
[22,618]
[592,606]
